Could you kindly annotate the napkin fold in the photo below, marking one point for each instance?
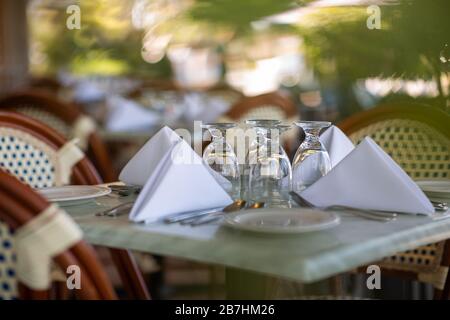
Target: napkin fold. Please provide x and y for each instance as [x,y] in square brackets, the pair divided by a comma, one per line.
[336,143]
[174,178]
[368,178]
[127,115]
[88,92]
[138,170]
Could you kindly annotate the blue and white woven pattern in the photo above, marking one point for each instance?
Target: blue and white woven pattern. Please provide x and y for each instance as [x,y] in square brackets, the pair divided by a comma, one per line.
[28,161]
[33,162]
[8,281]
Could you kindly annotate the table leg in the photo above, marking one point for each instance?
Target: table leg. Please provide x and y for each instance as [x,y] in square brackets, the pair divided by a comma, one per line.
[245,285]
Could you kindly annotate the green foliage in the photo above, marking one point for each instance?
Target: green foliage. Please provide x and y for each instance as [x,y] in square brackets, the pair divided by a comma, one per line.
[237,13]
[337,42]
[106,44]
[412,35]
[423,30]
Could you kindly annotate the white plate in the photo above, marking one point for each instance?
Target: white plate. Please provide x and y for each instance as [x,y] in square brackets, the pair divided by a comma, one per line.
[72,195]
[295,220]
[435,188]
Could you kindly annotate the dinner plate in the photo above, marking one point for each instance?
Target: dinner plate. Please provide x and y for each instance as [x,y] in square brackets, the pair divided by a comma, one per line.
[72,195]
[435,188]
[295,220]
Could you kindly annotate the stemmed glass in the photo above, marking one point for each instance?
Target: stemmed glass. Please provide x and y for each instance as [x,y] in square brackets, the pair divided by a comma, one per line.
[270,171]
[222,160]
[311,161]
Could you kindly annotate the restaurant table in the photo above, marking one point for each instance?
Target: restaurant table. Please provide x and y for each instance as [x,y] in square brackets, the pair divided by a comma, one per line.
[144,134]
[119,136]
[251,257]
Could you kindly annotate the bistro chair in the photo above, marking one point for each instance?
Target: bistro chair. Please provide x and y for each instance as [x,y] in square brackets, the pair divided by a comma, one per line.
[29,216]
[68,120]
[51,85]
[40,157]
[268,106]
[418,138]
[265,106]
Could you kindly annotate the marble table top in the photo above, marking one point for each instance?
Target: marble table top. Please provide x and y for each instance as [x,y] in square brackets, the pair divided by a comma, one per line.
[305,257]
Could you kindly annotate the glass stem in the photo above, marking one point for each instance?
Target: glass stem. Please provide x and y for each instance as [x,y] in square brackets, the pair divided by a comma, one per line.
[218,139]
[312,139]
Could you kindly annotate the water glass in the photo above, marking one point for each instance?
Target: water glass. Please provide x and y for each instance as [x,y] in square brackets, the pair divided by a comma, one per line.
[222,160]
[311,161]
[270,172]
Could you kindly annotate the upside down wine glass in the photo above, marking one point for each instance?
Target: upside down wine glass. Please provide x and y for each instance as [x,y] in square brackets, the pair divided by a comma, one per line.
[270,171]
[311,161]
[222,160]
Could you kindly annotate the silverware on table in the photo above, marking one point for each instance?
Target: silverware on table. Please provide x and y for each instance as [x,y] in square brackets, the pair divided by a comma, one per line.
[209,219]
[117,210]
[439,206]
[187,216]
[125,190]
[368,214]
[256,205]
[184,216]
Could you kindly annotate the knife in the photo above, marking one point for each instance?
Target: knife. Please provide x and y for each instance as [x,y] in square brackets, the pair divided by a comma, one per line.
[179,217]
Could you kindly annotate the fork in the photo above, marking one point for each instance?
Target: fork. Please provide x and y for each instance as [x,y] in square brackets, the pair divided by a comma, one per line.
[368,214]
[199,222]
[439,206]
[184,218]
[125,190]
[116,211]
[214,215]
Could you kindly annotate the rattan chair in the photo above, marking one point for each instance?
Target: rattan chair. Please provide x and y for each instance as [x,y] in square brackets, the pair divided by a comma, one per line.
[418,138]
[19,205]
[268,106]
[29,151]
[48,84]
[265,106]
[64,118]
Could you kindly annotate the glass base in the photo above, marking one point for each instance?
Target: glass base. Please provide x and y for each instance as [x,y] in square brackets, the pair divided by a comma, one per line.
[271,203]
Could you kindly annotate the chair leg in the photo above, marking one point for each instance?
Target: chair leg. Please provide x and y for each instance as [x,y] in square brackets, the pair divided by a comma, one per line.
[60,290]
[26,293]
[336,285]
[445,294]
[130,274]
[214,281]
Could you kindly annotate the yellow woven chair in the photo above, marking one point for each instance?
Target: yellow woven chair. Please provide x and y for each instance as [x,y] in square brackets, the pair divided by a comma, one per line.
[418,138]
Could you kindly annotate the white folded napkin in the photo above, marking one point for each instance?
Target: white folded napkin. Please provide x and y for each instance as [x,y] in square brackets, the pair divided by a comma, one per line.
[368,178]
[337,144]
[226,184]
[176,179]
[87,92]
[127,115]
[139,169]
